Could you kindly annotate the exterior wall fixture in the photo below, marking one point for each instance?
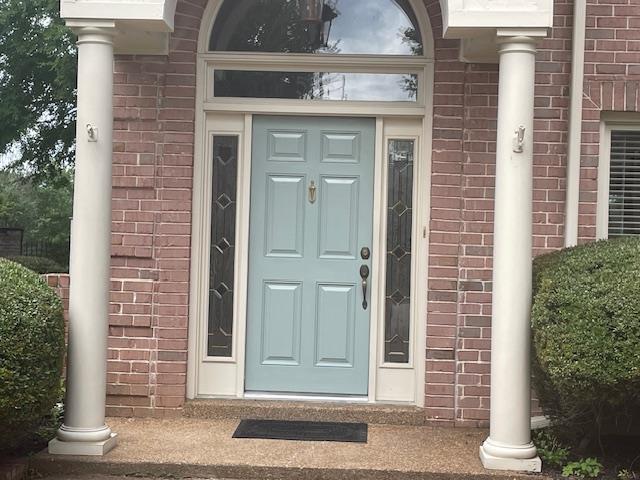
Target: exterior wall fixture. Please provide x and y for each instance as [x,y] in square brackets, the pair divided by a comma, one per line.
[518,139]
[319,16]
[92,132]
[311,10]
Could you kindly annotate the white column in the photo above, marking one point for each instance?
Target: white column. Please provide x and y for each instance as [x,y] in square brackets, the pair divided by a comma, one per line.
[84,431]
[509,444]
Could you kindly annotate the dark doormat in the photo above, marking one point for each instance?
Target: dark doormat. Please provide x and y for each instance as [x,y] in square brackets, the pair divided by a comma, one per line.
[305,431]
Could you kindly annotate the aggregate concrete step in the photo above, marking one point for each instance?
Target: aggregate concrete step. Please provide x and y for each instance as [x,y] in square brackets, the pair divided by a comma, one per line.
[204,448]
[312,411]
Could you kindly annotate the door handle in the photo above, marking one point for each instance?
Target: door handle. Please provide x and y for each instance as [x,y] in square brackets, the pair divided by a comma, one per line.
[364,274]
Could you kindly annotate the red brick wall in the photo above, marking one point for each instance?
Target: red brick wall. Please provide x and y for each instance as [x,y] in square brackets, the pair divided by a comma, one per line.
[60,284]
[153,169]
[611,83]
[460,275]
[459,321]
[153,160]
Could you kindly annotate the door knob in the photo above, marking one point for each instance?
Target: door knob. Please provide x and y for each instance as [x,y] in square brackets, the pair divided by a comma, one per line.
[364,274]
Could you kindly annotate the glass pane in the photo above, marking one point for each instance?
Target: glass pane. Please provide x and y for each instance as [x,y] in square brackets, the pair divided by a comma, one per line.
[624,183]
[223,240]
[316,86]
[386,27]
[399,225]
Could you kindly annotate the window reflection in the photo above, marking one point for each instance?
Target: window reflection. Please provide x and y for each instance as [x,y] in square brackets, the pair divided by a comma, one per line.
[386,27]
[316,85]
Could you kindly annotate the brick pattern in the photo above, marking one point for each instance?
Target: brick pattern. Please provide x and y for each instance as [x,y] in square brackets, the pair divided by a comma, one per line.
[611,84]
[154,109]
[59,282]
[461,242]
[459,321]
[153,169]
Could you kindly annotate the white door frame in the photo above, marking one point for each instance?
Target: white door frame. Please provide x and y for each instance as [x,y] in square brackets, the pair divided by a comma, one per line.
[224,377]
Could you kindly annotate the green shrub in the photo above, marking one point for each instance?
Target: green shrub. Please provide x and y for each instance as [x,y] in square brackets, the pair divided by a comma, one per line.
[550,449]
[31,352]
[39,264]
[586,336]
[625,474]
[583,468]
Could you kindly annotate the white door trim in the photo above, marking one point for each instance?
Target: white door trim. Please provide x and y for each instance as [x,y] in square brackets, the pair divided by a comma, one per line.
[224,377]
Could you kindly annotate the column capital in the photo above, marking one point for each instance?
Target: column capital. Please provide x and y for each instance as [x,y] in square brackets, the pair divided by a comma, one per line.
[533,33]
[518,40]
[93,31]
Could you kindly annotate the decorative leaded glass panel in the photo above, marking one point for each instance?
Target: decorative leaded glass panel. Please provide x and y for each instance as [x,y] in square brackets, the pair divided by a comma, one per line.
[223,240]
[399,226]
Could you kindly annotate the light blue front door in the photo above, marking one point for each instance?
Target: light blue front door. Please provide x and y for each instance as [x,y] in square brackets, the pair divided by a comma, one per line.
[311,216]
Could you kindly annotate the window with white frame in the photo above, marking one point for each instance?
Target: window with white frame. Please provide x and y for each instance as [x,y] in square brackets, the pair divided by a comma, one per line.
[619,184]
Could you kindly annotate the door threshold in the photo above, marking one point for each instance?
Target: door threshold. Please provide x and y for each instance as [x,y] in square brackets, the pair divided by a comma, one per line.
[304,397]
[312,409]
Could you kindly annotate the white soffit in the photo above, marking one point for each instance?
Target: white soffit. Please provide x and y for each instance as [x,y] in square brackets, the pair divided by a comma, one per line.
[142,26]
[154,14]
[469,18]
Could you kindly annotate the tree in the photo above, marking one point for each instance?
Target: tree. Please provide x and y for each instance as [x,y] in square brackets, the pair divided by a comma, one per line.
[42,210]
[37,88]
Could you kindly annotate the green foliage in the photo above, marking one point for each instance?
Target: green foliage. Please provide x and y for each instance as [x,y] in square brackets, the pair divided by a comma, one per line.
[43,210]
[39,264]
[550,449]
[31,352]
[49,425]
[37,86]
[625,474]
[583,468]
[586,336]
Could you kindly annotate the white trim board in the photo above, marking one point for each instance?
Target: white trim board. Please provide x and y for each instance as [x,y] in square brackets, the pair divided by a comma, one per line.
[388,382]
[224,377]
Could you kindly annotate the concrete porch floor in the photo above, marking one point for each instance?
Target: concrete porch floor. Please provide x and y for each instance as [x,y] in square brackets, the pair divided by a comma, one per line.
[202,448]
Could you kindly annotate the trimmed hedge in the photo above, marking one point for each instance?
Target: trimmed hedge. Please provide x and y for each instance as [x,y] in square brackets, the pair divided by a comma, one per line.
[586,336]
[40,265]
[31,352]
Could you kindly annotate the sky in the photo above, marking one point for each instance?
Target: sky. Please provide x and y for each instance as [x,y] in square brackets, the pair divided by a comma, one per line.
[370,26]
[6,159]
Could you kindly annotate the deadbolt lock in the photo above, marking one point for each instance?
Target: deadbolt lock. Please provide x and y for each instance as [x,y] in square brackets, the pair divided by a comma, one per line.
[365,253]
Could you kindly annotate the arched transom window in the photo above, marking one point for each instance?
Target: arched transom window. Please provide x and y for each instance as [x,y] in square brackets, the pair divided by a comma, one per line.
[337,50]
[381,27]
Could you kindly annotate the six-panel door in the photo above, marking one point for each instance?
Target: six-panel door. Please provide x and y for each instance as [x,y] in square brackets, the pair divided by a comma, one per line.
[311,214]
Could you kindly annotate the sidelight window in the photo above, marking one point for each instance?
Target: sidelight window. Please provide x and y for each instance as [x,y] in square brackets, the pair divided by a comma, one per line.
[398,250]
[223,241]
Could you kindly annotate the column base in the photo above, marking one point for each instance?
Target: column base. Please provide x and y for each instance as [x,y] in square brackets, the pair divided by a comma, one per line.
[491,462]
[58,447]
